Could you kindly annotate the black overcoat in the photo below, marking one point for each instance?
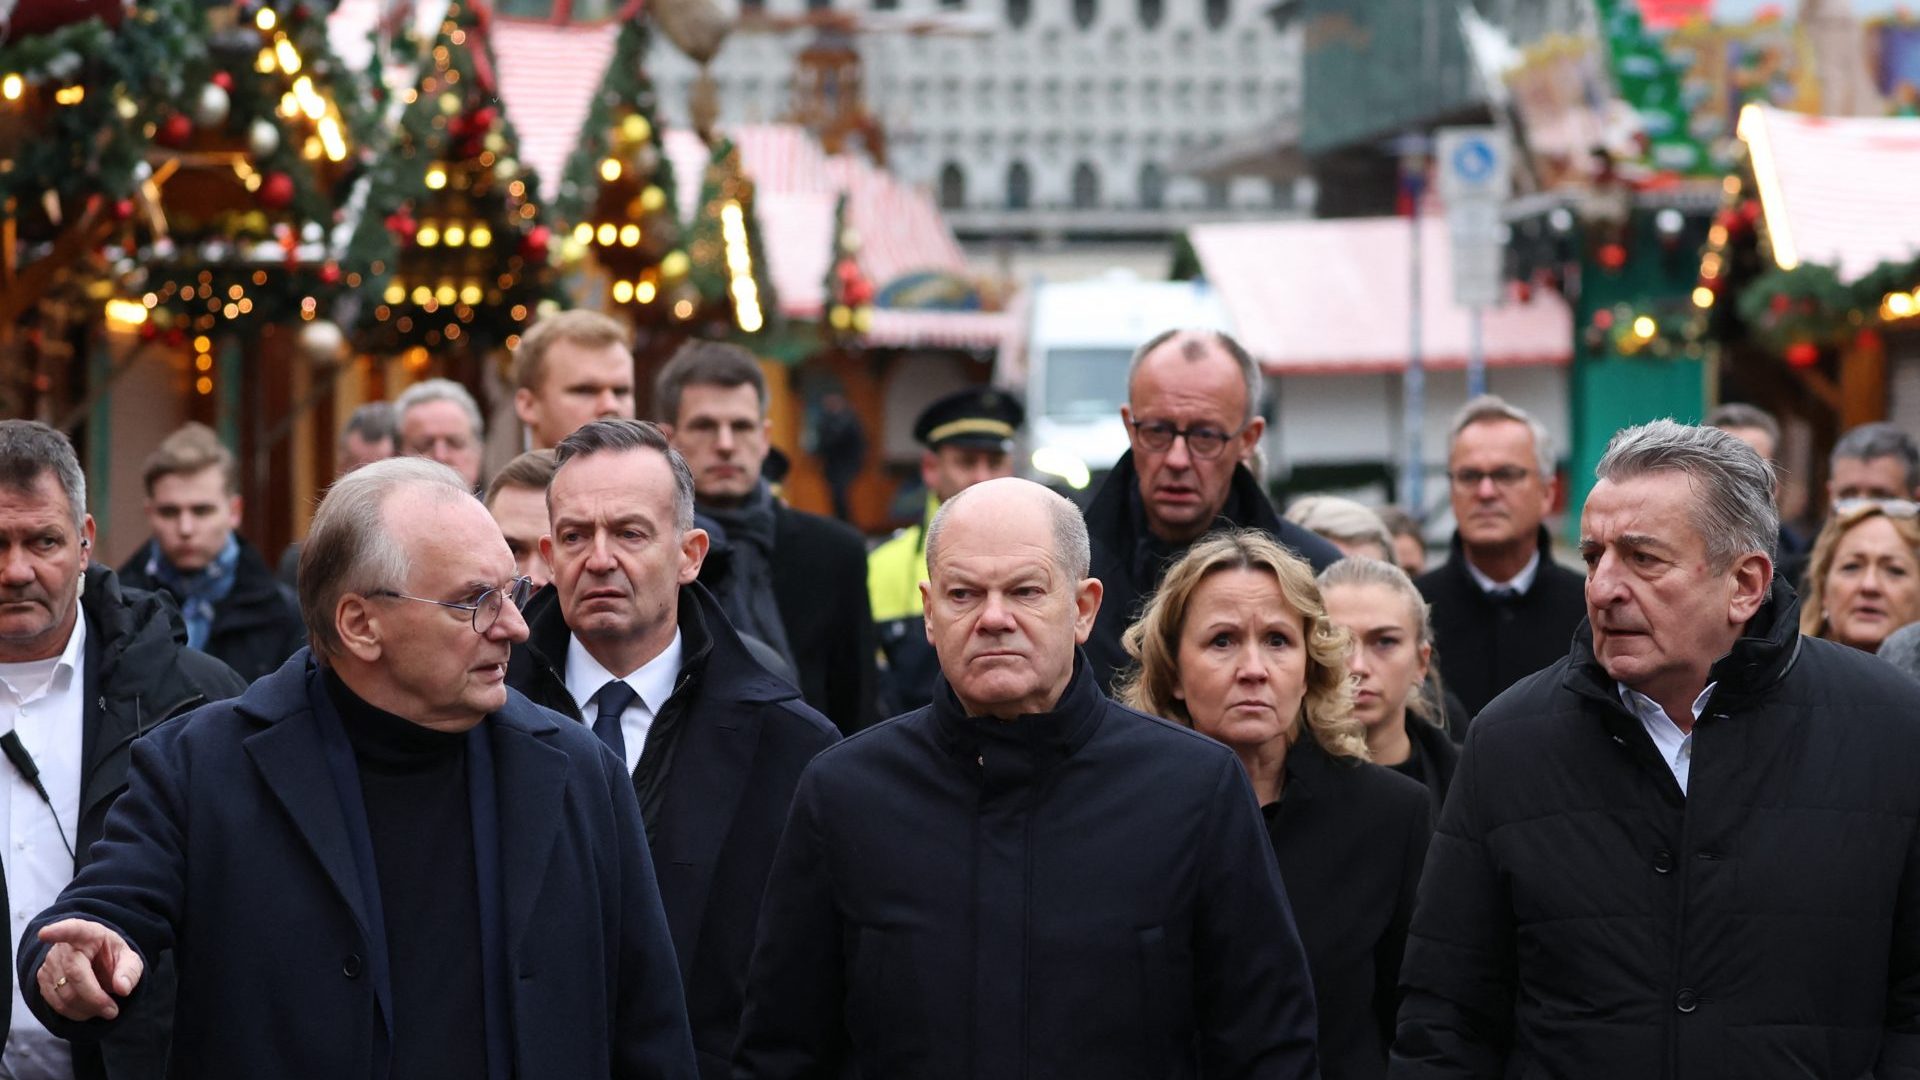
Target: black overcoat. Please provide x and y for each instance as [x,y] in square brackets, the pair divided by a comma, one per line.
[1081,893]
[255,628]
[1350,838]
[744,738]
[1130,563]
[139,672]
[820,586]
[1581,917]
[230,847]
[1486,644]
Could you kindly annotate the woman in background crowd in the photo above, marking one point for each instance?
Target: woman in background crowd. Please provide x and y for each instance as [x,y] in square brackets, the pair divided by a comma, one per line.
[1409,546]
[1395,683]
[1236,644]
[1863,580]
[1347,525]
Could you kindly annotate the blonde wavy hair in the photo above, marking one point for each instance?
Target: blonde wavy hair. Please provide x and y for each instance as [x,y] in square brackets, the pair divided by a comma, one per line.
[1154,640]
[1813,609]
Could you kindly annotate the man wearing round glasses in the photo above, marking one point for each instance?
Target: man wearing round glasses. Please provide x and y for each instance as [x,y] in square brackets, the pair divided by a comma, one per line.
[1192,417]
[1502,608]
[379,861]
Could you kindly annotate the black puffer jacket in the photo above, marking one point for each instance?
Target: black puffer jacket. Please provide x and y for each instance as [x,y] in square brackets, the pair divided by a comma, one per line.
[255,628]
[139,673]
[1580,917]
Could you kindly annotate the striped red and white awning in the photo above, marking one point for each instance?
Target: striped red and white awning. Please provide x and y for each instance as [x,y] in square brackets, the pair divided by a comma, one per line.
[548,77]
[1838,191]
[983,330]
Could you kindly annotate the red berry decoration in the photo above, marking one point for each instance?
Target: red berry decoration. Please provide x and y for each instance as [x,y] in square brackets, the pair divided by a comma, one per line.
[174,131]
[534,247]
[276,191]
[402,226]
[223,80]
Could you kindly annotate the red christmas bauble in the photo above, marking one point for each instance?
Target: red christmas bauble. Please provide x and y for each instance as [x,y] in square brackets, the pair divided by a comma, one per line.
[534,247]
[223,80]
[1612,256]
[330,274]
[1779,304]
[484,118]
[1803,354]
[276,191]
[174,131]
[123,209]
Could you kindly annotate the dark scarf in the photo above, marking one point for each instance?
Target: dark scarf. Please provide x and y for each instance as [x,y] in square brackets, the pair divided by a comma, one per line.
[749,601]
[197,592]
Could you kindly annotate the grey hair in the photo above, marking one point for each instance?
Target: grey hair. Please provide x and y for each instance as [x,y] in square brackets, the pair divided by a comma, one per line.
[29,450]
[1193,346]
[1341,519]
[373,422]
[350,548]
[1739,414]
[1879,440]
[421,393]
[1733,508]
[1072,549]
[1490,407]
[618,435]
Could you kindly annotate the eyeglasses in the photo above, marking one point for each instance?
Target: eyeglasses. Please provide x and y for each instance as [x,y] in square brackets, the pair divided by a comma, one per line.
[1899,508]
[1202,442]
[485,608]
[1506,476]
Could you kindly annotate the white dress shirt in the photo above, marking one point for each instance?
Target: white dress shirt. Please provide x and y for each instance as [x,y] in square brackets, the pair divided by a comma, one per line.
[1675,746]
[1519,583]
[43,701]
[653,682]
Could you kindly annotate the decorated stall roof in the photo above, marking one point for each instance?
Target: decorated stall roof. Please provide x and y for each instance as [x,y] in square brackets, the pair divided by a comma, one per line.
[1315,297]
[1835,191]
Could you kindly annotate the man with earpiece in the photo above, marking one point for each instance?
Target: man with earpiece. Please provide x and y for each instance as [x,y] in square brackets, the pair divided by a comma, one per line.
[86,667]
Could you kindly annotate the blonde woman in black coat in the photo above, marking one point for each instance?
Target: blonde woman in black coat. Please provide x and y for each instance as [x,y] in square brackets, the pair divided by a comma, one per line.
[1396,684]
[1237,645]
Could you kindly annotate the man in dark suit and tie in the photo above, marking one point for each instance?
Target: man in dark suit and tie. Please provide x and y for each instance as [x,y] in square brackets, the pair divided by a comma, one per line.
[628,640]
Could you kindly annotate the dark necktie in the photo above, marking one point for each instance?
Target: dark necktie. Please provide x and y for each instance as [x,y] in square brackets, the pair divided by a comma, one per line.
[614,699]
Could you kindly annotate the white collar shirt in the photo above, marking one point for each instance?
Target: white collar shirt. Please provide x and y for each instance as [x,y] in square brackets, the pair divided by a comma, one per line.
[1675,746]
[44,702]
[653,681]
[1519,583]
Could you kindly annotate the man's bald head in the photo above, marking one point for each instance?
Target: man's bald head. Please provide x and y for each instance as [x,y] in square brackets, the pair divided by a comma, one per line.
[1009,499]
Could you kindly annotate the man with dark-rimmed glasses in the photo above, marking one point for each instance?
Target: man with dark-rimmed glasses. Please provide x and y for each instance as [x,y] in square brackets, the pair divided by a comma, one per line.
[379,861]
[1193,419]
[1502,608]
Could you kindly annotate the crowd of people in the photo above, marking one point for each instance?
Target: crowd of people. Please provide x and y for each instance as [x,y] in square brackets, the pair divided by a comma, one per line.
[619,766]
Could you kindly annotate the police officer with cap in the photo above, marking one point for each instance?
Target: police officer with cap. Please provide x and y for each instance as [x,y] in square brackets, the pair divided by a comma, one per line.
[968,437]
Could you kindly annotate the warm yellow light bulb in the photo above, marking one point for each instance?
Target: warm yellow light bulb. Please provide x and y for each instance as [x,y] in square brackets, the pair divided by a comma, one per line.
[622,292]
[436,178]
[266,19]
[610,170]
[629,235]
[12,87]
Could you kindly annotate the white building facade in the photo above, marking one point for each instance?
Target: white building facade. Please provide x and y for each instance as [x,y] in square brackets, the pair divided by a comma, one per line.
[1044,118]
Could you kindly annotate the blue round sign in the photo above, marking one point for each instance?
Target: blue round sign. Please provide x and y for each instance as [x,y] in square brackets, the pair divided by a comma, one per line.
[1473,160]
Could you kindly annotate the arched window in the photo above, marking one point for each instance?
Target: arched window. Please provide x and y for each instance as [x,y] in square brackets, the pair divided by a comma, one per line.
[1084,12]
[953,187]
[1150,12]
[1018,12]
[1019,186]
[1153,186]
[1086,187]
[1218,11]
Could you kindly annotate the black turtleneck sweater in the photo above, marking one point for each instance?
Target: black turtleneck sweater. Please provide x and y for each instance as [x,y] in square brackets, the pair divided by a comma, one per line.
[414,782]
